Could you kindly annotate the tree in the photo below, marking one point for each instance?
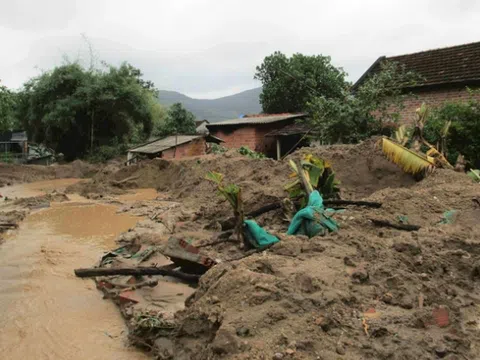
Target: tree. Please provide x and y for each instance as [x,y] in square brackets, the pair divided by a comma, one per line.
[290,83]
[179,121]
[463,134]
[372,109]
[75,110]
[7,109]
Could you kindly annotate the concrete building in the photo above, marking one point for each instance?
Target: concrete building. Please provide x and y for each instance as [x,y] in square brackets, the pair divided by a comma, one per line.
[445,75]
[251,131]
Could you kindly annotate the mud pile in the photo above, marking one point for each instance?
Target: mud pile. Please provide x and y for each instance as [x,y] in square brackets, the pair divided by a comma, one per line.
[365,292]
[13,174]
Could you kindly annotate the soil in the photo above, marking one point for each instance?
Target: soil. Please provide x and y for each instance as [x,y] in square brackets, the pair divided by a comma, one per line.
[363,292]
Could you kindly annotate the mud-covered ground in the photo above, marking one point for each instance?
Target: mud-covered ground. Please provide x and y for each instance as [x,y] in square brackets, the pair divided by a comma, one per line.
[362,293]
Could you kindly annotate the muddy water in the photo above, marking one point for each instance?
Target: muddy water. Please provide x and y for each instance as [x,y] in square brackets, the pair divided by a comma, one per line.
[45,311]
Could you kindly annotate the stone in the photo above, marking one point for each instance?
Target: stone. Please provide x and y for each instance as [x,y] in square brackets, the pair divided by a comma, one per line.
[360,275]
[348,261]
[164,347]
[224,343]
[289,351]
[441,351]
[277,356]
[387,298]
[243,331]
[340,349]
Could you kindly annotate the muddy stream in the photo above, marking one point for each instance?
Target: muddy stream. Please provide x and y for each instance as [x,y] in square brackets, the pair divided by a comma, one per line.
[45,311]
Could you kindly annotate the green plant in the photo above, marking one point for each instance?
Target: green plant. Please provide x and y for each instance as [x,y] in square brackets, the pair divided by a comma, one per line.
[233,194]
[217,149]
[474,174]
[319,174]
[244,150]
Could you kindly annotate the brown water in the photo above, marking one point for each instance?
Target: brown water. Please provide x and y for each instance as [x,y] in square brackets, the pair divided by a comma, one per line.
[45,311]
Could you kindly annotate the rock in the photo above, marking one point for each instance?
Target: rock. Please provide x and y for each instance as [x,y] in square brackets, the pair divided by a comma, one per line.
[243,331]
[360,275]
[387,298]
[340,349]
[277,356]
[289,351]
[348,261]
[441,351]
[224,343]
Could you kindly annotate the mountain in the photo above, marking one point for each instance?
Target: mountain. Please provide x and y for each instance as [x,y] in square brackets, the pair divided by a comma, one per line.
[214,110]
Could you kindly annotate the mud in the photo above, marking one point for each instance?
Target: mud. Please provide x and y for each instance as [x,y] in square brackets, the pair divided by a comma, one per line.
[362,293]
[45,311]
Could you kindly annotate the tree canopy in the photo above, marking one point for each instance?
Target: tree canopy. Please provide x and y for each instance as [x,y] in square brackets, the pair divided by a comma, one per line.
[74,110]
[372,109]
[178,121]
[290,83]
[7,109]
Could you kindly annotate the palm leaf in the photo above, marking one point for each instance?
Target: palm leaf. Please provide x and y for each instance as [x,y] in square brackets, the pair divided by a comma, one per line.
[407,160]
[474,175]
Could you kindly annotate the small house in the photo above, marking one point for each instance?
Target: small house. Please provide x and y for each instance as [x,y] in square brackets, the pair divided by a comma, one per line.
[251,131]
[172,147]
[444,75]
[14,146]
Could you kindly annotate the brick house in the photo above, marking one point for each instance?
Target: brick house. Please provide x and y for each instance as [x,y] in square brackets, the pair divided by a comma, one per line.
[251,130]
[445,75]
[175,146]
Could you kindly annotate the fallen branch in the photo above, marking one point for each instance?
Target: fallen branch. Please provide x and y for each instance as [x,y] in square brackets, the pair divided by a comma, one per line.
[406,227]
[138,271]
[372,204]
[9,225]
[130,178]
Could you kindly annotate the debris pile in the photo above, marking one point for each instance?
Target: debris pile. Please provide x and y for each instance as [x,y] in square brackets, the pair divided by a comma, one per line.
[396,278]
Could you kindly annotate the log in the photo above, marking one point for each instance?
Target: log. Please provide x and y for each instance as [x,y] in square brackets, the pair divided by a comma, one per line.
[372,204]
[137,271]
[9,225]
[406,227]
[130,178]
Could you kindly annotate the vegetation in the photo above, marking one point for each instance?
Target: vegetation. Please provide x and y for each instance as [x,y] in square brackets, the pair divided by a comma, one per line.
[75,110]
[319,175]
[290,83]
[233,194]
[7,109]
[245,150]
[372,109]
[462,133]
[178,121]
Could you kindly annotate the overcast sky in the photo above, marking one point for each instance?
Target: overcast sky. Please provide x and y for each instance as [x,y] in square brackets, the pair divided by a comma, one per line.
[209,48]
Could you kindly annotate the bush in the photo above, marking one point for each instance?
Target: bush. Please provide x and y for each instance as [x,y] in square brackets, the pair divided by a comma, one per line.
[463,137]
[244,150]
[107,152]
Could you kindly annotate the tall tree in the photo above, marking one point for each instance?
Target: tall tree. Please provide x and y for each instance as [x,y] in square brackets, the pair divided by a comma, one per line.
[179,121]
[74,110]
[289,83]
[7,109]
[373,109]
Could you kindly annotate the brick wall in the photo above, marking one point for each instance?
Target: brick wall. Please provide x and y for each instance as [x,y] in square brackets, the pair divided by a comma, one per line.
[252,136]
[194,148]
[433,97]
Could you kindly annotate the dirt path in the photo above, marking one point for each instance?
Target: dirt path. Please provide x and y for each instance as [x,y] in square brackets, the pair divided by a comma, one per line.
[45,311]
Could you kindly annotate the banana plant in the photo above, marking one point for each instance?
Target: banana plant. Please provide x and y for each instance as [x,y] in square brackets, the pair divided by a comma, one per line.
[319,176]
[233,194]
[474,174]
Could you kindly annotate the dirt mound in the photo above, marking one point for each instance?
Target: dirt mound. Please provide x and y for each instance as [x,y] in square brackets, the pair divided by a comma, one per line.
[362,169]
[12,173]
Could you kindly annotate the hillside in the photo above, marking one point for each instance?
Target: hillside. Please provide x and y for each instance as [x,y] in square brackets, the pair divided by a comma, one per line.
[214,110]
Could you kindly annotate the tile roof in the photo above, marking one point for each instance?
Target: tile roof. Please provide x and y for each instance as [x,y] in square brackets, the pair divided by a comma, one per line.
[456,64]
[160,145]
[257,119]
[292,129]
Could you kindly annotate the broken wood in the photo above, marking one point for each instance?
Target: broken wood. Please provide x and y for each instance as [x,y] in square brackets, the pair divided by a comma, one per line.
[137,271]
[372,204]
[130,178]
[406,227]
[9,225]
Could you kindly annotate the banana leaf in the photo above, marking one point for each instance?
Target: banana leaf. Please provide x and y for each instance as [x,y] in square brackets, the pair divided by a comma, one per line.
[474,174]
[408,160]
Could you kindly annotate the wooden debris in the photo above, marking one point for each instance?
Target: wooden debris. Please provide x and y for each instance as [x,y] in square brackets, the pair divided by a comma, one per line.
[384,223]
[137,271]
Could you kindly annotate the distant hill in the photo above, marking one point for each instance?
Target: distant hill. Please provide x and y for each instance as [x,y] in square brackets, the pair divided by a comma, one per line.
[214,110]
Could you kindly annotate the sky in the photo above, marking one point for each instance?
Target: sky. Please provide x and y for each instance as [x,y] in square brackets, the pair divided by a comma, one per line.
[210,48]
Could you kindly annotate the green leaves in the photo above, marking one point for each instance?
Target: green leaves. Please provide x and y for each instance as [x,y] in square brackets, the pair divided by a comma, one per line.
[289,83]
[245,150]
[178,121]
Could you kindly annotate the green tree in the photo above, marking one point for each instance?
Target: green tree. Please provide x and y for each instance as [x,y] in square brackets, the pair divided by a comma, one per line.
[8,120]
[76,110]
[289,83]
[179,121]
[371,109]
[463,135]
